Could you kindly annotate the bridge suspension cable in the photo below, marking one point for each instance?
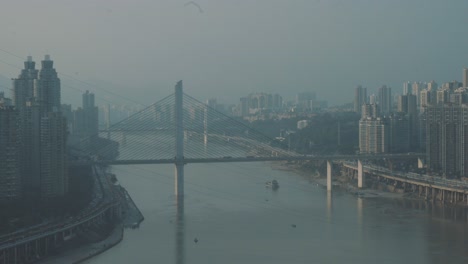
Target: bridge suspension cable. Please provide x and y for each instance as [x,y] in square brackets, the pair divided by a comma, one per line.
[208,133]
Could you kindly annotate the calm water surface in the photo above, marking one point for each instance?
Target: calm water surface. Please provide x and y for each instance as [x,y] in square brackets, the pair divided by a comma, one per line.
[236,219]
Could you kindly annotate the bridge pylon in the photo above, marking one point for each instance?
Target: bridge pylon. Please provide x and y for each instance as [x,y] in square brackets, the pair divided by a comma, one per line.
[179,128]
[329,175]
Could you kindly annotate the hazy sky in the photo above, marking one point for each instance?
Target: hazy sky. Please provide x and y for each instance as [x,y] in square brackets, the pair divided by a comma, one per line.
[236,47]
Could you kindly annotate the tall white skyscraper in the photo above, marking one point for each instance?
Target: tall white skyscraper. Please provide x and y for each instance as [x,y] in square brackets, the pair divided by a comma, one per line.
[407,88]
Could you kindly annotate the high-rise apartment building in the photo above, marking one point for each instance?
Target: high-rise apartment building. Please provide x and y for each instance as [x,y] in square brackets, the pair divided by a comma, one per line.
[53,156]
[389,134]
[47,87]
[23,95]
[465,77]
[407,106]
[373,136]
[360,98]
[407,88]
[459,96]
[42,130]
[399,133]
[452,86]
[446,137]
[370,110]
[425,99]
[432,86]
[85,119]
[443,96]
[23,86]
[417,87]
[385,99]
[10,176]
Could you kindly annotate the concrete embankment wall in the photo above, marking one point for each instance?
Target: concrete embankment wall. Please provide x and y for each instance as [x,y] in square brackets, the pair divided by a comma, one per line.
[98,248]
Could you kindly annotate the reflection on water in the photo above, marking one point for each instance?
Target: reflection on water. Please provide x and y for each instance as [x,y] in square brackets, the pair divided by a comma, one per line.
[180,231]
[437,211]
[359,207]
[329,206]
[238,220]
[360,219]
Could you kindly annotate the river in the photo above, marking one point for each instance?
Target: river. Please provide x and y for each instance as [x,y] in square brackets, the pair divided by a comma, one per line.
[236,219]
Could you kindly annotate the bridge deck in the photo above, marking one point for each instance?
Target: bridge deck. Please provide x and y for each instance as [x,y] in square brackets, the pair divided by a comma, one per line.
[260,159]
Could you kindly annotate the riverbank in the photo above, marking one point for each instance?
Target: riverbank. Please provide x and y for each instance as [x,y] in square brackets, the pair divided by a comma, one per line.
[338,181]
[374,189]
[133,216]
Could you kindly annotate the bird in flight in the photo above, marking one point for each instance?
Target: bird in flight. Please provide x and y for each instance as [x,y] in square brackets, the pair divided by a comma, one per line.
[194,4]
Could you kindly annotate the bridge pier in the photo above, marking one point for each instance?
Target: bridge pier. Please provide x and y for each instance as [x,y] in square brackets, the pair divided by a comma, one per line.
[205,126]
[420,163]
[360,175]
[179,126]
[329,175]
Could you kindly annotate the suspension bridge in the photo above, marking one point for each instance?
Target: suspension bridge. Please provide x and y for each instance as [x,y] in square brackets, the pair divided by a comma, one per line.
[181,130]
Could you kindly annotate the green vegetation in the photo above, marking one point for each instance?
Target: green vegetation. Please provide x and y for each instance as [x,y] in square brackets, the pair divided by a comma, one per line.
[321,134]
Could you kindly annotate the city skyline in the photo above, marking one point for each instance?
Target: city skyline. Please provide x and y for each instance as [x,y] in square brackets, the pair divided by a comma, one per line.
[233,49]
[233,131]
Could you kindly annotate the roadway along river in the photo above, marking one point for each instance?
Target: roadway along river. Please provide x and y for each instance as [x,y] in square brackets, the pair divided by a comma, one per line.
[236,219]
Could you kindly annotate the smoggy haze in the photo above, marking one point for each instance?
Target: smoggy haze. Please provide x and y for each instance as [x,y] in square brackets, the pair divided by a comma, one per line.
[233,48]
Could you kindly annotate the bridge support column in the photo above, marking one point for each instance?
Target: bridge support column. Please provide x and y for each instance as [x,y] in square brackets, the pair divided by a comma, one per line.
[329,175]
[360,175]
[179,180]
[179,158]
[205,126]
[420,163]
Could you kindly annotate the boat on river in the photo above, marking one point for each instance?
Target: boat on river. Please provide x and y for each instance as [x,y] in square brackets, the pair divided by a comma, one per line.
[272,184]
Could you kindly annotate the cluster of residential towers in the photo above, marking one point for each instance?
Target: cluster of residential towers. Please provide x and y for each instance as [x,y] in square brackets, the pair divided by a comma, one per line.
[426,118]
[33,135]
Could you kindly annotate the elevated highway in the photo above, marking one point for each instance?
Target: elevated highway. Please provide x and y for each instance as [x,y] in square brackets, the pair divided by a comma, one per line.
[430,187]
